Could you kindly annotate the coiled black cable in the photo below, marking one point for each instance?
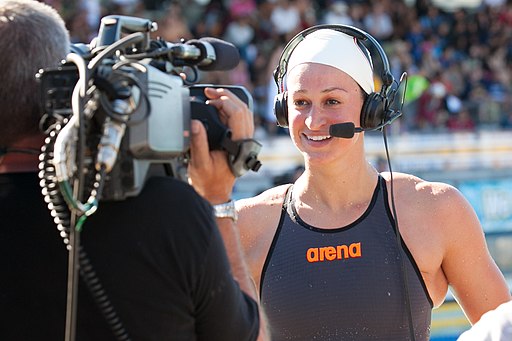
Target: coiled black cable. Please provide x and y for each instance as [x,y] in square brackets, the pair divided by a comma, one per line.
[62,218]
[50,190]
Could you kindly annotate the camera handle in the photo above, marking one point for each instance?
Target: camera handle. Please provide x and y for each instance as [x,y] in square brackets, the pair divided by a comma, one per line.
[242,154]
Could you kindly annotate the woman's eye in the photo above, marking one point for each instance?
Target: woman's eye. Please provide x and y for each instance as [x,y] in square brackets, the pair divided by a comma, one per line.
[299,103]
[333,102]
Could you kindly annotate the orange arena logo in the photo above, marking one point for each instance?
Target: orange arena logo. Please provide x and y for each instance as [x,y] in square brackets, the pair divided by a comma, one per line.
[330,253]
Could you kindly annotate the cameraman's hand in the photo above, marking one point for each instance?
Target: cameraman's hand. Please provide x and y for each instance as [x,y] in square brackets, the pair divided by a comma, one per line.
[209,171]
[233,112]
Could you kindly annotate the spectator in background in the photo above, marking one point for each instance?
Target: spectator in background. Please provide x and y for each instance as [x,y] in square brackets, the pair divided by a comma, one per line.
[337,13]
[239,8]
[79,29]
[172,27]
[93,10]
[212,21]
[460,121]
[415,38]
[307,13]
[357,10]
[127,7]
[431,20]
[432,107]
[378,21]
[285,17]
[240,32]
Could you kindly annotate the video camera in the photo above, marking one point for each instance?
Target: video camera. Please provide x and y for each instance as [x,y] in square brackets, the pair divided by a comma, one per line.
[120,104]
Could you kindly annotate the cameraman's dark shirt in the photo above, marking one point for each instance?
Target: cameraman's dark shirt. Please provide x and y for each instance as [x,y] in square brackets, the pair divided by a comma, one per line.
[159,257]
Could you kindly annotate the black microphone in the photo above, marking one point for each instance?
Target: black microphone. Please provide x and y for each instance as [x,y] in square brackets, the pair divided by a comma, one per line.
[347,130]
[215,54]
[344,130]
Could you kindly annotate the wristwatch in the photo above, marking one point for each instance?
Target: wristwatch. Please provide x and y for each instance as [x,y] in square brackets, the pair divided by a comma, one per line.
[225,210]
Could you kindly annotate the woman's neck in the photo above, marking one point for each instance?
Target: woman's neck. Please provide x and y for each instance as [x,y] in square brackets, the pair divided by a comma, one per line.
[337,188]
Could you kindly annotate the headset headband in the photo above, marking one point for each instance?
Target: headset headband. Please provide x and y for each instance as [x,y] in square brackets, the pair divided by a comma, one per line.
[366,40]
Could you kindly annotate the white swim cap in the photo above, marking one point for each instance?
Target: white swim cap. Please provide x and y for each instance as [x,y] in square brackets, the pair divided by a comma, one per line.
[336,49]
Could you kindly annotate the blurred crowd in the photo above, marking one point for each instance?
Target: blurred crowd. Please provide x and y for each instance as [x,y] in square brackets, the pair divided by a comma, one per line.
[459,62]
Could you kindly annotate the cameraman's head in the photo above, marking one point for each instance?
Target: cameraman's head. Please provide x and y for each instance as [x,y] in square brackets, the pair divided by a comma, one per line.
[34,36]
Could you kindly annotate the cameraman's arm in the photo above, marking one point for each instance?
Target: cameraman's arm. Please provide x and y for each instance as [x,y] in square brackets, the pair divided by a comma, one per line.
[211,176]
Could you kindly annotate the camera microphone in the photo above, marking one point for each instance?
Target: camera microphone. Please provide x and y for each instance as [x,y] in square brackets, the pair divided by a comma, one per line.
[212,54]
[344,130]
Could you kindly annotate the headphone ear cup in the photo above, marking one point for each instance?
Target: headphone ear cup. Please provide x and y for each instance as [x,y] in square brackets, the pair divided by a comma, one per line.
[281,109]
[372,113]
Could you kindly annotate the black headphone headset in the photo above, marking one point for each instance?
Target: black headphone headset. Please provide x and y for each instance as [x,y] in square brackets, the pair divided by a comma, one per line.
[376,111]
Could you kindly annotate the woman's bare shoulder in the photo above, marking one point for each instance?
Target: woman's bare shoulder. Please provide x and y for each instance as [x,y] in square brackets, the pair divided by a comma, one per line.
[265,208]
[267,199]
[430,196]
[413,184]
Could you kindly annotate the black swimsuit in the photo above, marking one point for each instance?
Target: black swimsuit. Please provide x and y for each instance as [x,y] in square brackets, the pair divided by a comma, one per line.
[345,283]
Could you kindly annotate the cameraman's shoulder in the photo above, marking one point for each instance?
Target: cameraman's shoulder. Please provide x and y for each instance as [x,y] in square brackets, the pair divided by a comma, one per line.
[169,188]
[165,182]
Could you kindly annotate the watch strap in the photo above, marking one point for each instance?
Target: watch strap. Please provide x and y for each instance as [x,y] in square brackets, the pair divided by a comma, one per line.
[225,210]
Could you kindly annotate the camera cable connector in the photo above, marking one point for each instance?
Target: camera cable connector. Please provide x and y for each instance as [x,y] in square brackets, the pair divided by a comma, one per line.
[64,168]
[110,142]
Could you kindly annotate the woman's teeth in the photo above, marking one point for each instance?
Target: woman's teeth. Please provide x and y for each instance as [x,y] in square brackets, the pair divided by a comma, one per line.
[319,138]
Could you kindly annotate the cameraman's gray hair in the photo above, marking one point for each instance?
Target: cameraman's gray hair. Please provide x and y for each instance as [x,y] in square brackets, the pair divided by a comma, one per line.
[34,36]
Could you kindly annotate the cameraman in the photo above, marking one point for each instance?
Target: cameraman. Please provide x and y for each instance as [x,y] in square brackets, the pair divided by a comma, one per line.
[159,256]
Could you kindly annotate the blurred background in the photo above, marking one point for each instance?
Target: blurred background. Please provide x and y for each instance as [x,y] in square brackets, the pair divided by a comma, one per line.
[457,122]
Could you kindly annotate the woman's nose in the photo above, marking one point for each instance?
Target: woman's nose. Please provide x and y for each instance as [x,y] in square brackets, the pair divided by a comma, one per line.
[316,118]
